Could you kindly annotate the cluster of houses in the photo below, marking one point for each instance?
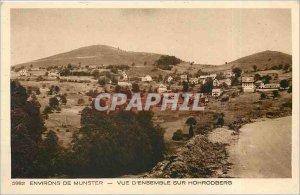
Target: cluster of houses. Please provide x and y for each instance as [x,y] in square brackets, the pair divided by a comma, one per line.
[247,82]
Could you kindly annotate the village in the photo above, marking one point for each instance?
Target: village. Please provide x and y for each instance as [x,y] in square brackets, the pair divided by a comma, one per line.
[63,92]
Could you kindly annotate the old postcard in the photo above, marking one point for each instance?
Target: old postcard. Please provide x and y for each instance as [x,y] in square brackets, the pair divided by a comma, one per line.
[150,97]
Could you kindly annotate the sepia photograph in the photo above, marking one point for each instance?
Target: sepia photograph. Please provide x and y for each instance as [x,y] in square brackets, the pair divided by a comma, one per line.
[151,93]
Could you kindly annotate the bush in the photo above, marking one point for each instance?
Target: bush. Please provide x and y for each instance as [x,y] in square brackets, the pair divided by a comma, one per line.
[263,96]
[177,135]
[275,94]
[40,78]
[54,103]
[135,88]
[284,83]
[101,82]
[167,60]
[220,120]
[80,101]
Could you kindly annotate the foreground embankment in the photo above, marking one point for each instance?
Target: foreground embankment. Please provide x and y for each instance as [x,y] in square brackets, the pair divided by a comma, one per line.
[260,149]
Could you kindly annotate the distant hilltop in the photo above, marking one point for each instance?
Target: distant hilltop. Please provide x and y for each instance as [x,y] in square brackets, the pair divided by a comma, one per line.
[107,55]
[95,55]
[262,60]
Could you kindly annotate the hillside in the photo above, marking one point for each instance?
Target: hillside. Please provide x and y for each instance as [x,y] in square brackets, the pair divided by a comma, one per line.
[262,60]
[96,55]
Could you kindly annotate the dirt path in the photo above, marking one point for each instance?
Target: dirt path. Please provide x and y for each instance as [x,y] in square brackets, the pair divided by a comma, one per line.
[263,150]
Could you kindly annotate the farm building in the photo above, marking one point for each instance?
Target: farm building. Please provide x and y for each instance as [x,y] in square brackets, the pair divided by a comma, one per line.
[147,78]
[216,92]
[216,82]
[162,88]
[248,84]
[194,81]
[23,73]
[170,79]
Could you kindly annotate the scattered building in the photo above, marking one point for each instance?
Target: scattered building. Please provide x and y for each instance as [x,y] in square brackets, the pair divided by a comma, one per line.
[170,79]
[124,76]
[147,78]
[124,84]
[23,73]
[248,84]
[162,88]
[216,82]
[204,77]
[216,92]
[270,86]
[194,81]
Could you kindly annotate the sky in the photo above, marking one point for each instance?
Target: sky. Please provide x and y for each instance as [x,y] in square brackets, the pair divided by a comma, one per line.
[206,36]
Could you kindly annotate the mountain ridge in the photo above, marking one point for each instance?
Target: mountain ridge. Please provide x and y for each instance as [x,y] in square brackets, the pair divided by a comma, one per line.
[106,55]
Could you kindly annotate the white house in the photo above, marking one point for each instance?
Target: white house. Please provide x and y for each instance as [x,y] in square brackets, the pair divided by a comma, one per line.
[147,78]
[184,77]
[248,84]
[162,88]
[53,74]
[23,73]
[270,86]
[216,82]
[204,77]
[124,84]
[194,81]
[216,92]
[170,79]
[124,76]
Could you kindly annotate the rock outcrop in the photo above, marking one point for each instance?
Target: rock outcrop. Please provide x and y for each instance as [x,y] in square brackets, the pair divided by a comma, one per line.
[199,158]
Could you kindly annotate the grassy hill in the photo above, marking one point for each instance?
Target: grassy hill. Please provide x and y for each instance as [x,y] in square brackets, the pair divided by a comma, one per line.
[95,55]
[263,60]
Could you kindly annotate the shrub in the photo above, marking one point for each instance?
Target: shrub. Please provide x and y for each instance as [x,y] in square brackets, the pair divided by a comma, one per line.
[167,60]
[177,135]
[284,83]
[101,82]
[135,88]
[40,78]
[80,101]
[275,94]
[54,103]
[263,96]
